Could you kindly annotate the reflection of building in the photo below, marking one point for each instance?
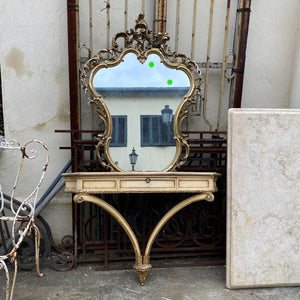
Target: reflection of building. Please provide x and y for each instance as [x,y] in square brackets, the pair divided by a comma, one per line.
[144,129]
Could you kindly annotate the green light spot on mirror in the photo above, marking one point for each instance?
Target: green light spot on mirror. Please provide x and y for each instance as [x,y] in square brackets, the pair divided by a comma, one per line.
[170,81]
[151,64]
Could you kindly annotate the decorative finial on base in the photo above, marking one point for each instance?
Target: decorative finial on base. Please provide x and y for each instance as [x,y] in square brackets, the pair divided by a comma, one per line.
[142,270]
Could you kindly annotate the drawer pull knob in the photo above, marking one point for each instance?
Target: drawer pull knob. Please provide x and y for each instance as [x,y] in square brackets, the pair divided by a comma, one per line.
[147,179]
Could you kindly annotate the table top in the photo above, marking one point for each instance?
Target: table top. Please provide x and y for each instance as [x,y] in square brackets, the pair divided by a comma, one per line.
[140,182]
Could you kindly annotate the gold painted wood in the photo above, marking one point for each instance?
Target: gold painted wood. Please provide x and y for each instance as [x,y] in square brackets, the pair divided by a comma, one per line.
[140,182]
[141,42]
[119,218]
[84,184]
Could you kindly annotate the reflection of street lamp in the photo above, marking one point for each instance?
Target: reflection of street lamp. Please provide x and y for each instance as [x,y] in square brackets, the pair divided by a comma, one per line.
[133,158]
[167,115]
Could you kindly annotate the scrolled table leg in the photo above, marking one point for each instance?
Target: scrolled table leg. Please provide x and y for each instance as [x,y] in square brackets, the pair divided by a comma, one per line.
[142,264]
[139,267]
[208,196]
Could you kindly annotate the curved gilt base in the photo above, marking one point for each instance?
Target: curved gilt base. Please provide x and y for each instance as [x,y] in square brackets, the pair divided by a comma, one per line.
[142,263]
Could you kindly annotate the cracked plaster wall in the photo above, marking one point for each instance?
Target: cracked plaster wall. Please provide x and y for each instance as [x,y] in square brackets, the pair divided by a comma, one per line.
[34,68]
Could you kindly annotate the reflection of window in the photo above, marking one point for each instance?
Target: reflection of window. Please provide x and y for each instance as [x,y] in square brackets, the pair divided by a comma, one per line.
[155,133]
[119,132]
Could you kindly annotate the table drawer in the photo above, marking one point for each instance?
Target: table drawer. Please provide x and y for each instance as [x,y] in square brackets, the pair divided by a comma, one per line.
[147,183]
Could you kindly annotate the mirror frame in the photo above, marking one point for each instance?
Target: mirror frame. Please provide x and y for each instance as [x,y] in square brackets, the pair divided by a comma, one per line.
[140,42]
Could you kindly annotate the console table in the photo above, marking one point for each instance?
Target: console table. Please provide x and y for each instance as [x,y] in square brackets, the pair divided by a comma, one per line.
[84,185]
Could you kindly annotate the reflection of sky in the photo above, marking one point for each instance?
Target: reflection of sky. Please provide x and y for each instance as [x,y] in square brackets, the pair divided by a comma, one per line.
[131,73]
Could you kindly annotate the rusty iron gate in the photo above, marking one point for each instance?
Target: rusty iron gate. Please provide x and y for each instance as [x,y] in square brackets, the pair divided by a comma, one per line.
[219,46]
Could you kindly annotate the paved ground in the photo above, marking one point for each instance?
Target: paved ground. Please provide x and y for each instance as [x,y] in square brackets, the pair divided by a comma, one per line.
[84,282]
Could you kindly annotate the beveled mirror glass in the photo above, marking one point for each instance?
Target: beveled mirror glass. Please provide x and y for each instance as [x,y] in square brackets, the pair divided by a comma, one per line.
[142,93]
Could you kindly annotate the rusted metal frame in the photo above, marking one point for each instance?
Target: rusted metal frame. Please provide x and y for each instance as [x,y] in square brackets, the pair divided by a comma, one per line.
[201,132]
[177,25]
[144,225]
[142,265]
[234,50]
[72,16]
[194,29]
[77,131]
[203,141]
[157,253]
[90,214]
[224,66]
[211,13]
[37,237]
[119,233]
[159,226]
[243,12]
[214,65]
[83,223]
[201,145]
[91,53]
[165,250]
[113,212]
[73,65]
[98,215]
[105,239]
[190,252]
[161,16]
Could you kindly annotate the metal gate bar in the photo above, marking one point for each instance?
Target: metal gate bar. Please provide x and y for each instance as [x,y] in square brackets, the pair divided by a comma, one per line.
[243,13]
[224,65]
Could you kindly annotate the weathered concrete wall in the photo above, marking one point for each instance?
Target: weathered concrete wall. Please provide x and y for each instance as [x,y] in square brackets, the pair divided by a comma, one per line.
[34,67]
[272,43]
[295,89]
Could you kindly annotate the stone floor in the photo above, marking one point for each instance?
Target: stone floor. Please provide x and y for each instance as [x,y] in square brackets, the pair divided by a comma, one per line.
[85,282]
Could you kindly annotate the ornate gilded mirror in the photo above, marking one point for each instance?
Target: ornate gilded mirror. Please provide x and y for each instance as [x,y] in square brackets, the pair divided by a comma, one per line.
[142,93]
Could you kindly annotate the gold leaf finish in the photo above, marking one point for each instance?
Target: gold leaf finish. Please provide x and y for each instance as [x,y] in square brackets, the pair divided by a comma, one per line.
[142,43]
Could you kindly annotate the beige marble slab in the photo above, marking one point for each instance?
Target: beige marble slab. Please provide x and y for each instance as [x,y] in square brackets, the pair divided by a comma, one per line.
[263,198]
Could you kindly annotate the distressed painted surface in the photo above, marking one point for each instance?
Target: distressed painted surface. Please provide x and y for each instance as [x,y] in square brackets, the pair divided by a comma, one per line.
[34,68]
[263,224]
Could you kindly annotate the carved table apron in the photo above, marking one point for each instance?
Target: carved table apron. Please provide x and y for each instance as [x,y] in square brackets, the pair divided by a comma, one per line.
[84,185]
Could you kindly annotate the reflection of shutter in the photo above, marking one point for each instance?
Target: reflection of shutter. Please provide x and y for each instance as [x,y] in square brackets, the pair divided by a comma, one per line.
[155,133]
[119,132]
[155,130]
